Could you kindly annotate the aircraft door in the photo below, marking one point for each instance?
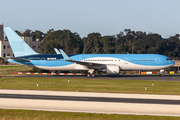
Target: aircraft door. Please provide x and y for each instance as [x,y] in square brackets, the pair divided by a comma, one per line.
[125,60]
[42,60]
[158,61]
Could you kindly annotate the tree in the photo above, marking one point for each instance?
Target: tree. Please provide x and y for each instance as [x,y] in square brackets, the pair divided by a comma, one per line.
[92,43]
[37,35]
[173,46]
[27,33]
[62,39]
[19,33]
[126,41]
[121,45]
[108,44]
[50,30]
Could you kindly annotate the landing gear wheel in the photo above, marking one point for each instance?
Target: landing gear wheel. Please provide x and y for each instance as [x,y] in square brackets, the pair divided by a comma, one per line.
[88,75]
[92,75]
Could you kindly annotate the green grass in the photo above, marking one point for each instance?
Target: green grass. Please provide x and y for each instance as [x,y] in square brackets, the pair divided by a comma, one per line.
[8,70]
[92,85]
[44,115]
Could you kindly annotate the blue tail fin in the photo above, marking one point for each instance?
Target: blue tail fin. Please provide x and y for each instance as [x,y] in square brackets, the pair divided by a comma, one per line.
[18,45]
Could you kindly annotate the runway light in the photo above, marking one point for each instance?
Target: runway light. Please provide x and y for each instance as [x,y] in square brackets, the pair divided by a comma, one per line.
[152,84]
[37,84]
[68,80]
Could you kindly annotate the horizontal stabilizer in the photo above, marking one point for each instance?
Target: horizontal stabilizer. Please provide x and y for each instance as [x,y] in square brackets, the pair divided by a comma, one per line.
[18,59]
[57,51]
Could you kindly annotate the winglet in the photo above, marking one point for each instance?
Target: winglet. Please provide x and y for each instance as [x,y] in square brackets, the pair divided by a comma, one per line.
[65,55]
[57,51]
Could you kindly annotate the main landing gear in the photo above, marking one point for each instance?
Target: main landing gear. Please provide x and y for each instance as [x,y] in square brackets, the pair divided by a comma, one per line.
[90,73]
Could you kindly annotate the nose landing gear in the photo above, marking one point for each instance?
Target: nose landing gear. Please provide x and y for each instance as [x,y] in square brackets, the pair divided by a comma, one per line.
[161,73]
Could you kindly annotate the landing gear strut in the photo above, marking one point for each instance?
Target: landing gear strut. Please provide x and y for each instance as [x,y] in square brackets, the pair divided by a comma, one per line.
[90,73]
[161,73]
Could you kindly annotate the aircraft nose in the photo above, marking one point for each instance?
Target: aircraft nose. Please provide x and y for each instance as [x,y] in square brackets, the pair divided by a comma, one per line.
[172,62]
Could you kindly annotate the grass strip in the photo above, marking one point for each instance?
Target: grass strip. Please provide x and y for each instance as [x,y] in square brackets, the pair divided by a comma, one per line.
[92,85]
[8,70]
[7,114]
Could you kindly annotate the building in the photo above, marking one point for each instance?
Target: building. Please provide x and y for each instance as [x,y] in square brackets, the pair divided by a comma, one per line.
[5,48]
[1,39]
[35,45]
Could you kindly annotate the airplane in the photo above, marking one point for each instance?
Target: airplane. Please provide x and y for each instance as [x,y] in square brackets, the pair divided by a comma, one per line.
[111,64]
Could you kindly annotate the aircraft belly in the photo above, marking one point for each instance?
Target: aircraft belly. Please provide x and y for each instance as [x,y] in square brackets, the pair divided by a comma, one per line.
[65,68]
[132,66]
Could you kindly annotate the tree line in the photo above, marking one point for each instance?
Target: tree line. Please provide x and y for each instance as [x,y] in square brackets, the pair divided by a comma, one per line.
[126,42]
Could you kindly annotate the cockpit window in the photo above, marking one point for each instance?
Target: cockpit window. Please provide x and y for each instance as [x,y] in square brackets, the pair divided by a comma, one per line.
[168,59]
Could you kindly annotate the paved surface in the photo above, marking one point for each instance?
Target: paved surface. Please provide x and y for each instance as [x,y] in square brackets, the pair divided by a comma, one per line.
[112,103]
[116,77]
[91,99]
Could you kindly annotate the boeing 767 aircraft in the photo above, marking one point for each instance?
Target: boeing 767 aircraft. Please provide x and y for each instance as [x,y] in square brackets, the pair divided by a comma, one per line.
[111,64]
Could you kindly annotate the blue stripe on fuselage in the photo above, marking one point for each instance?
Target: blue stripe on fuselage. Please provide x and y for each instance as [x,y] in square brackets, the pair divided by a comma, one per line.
[140,59]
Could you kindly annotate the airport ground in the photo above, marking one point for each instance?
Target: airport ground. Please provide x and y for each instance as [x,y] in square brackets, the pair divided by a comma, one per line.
[167,77]
[164,103]
[8,114]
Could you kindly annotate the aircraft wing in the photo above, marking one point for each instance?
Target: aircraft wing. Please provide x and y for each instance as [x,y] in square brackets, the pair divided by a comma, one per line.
[87,64]
[91,65]
[18,59]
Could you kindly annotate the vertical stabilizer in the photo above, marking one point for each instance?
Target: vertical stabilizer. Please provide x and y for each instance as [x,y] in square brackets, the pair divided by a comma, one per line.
[18,45]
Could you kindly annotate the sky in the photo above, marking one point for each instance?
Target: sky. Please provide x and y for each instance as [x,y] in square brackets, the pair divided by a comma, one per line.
[108,17]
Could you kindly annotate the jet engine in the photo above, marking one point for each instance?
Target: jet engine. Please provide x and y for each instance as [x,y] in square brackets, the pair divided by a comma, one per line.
[111,69]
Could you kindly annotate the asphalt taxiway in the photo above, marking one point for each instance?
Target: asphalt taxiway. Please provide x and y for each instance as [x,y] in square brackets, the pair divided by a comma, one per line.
[115,77]
[112,103]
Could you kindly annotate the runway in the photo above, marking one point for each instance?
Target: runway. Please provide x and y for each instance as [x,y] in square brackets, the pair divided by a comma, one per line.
[112,103]
[91,99]
[115,77]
